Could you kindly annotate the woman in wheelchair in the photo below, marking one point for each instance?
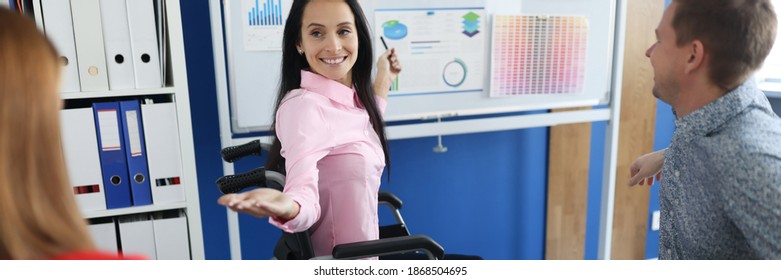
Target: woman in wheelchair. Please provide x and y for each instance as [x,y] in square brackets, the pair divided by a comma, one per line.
[328,127]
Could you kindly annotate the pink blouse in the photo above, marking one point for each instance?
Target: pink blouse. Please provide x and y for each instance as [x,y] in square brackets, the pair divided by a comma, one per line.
[334,162]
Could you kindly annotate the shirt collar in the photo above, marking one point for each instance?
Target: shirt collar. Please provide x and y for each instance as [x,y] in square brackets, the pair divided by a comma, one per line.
[329,88]
[713,115]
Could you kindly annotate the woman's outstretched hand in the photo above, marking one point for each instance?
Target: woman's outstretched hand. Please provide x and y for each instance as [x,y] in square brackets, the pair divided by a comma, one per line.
[261,203]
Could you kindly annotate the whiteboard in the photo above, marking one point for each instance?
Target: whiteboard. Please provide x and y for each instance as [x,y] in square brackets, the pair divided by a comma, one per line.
[253,76]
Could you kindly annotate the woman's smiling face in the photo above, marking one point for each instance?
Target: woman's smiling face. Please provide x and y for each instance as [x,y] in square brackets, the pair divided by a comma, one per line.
[329,39]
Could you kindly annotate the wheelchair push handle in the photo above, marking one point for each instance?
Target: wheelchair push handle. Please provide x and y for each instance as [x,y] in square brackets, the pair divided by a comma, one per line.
[234,153]
[235,183]
[258,177]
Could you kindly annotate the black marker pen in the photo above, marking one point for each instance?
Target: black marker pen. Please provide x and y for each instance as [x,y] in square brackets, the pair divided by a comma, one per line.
[383,43]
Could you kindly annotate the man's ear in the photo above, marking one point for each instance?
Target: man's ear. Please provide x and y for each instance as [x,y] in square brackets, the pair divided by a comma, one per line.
[696,59]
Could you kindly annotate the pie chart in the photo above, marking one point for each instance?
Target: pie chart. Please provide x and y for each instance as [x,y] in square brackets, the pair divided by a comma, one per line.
[394,30]
[454,73]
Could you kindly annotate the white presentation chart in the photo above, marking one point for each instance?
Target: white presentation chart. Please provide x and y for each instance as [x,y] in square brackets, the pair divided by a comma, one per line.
[441,50]
[538,54]
[263,23]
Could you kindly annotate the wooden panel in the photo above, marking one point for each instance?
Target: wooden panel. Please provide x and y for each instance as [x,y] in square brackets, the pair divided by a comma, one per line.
[568,159]
[570,146]
[636,130]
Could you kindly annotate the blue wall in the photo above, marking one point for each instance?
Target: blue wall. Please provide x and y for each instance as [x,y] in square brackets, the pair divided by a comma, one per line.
[206,131]
[486,196]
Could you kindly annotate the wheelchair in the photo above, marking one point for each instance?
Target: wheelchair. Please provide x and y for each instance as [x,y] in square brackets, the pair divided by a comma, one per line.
[395,241]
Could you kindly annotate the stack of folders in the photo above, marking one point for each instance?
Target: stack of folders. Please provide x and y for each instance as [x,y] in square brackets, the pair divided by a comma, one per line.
[162,235]
[107,44]
[122,154]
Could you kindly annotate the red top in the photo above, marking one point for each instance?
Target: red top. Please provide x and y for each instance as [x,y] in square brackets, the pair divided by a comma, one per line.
[97,255]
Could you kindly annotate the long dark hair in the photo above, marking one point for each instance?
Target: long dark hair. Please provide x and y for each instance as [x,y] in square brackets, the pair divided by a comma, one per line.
[293,63]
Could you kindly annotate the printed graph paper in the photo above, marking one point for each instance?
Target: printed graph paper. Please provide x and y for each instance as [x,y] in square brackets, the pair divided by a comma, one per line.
[538,54]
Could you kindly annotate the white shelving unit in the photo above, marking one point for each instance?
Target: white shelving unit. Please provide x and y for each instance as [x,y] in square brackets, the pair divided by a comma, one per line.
[120,93]
[177,89]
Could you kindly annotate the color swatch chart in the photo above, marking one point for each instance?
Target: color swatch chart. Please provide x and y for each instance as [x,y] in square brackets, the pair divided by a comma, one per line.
[538,54]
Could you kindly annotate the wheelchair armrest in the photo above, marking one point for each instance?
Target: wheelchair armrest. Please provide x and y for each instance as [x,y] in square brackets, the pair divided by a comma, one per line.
[394,230]
[388,246]
[389,198]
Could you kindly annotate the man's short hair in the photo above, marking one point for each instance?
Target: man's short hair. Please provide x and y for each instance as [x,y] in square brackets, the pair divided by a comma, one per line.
[738,35]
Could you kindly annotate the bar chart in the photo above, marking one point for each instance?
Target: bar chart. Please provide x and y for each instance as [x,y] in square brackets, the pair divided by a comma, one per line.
[269,14]
[262,22]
